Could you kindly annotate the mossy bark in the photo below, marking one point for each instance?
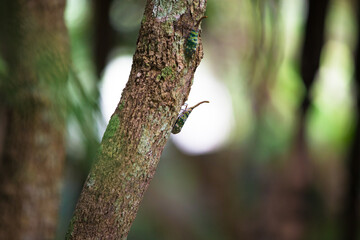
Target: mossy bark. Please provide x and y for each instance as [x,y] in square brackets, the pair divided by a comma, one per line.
[35,49]
[158,86]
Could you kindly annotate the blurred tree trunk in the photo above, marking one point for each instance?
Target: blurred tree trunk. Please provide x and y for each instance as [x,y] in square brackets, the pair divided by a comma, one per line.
[104,34]
[299,171]
[351,199]
[130,150]
[34,46]
[287,203]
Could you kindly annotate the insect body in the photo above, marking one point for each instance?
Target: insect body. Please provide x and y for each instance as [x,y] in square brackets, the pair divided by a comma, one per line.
[192,40]
[180,121]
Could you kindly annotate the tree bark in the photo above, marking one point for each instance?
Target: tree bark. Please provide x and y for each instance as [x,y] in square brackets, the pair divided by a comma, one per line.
[130,150]
[35,48]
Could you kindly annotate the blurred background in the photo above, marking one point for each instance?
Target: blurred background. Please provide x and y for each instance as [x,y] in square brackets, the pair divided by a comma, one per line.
[271,156]
[275,153]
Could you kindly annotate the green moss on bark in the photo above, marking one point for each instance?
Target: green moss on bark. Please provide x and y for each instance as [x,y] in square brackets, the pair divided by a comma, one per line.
[168,27]
[111,128]
[71,228]
[158,85]
[121,105]
[167,73]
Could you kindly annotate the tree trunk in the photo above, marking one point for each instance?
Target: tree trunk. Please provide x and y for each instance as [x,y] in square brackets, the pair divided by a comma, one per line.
[350,218]
[288,220]
[130,150]
[104,34]
[35,49]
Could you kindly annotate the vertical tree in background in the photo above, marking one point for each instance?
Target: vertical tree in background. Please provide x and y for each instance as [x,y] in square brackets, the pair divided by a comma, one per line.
[288,220]
[104,34]
[351,198]
[309,66]
[130,150]
[300,166]
[34,47]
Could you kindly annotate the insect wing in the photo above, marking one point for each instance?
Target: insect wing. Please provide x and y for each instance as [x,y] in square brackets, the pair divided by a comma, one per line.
[191,43]
[180,121]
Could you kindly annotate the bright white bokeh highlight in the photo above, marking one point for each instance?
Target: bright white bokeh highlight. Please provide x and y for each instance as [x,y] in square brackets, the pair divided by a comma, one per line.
[115,77]
[114,80]
[208,126]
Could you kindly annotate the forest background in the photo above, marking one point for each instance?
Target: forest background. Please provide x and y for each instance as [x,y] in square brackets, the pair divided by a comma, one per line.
[274,155]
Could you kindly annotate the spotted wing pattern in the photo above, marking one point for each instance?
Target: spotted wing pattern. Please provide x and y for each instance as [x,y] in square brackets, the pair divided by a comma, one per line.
[180,121]
[191,43]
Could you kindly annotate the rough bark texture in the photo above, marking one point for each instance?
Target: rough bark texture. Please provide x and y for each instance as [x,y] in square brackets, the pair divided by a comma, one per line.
[34,46]
[158,86]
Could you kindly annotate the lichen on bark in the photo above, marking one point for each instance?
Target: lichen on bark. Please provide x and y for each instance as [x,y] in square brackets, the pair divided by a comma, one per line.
[169,9]
[158,86]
